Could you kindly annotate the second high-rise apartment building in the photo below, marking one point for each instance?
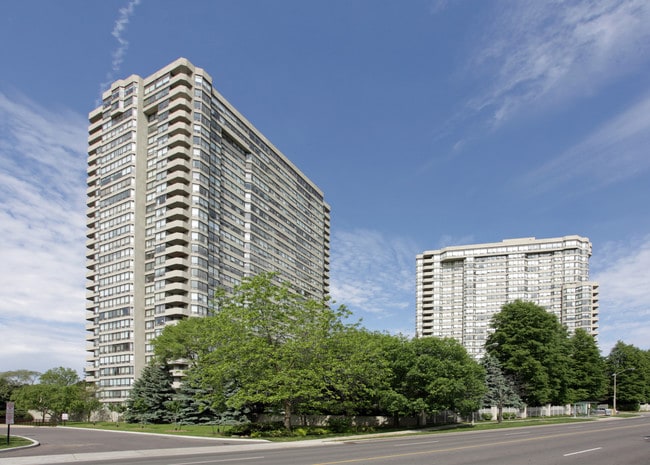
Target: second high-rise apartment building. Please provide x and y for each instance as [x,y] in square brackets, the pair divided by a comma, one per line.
[459,289]
[184,195]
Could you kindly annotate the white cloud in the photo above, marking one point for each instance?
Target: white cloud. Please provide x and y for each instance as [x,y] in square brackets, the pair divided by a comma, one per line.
[42,225]
[36,345]
[616,151]
[447,240]
[622,271]
[438,6]
[374,275]
[536,53]
[119,28]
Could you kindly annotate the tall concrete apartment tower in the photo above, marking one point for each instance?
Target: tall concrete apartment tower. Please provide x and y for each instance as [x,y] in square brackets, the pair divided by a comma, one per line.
[184,195]
[458,289]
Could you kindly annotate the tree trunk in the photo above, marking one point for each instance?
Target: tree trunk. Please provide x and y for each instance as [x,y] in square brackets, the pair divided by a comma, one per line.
[499,413]
[287,415]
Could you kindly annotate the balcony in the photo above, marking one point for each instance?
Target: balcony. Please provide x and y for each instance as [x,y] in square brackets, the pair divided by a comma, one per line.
[177,238]
[178,164]
[179,302]
[175,251]
[176,263]
[176,226]
[176,276]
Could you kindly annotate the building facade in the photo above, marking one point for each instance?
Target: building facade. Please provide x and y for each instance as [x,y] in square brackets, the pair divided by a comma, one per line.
[184,195]
[459,289]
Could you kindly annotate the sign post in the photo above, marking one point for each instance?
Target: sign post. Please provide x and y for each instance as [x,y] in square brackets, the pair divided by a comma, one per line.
[9,419]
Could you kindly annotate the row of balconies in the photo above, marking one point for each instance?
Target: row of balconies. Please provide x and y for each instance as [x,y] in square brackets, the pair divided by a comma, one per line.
[180,88]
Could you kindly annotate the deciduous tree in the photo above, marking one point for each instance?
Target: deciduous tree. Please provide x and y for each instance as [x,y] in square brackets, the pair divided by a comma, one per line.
[588,371]
[532,347]
[441,375]
[631,367]
[265,345]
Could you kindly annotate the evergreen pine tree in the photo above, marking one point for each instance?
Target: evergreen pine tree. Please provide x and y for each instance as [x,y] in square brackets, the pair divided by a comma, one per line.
[500,389]
[148,397]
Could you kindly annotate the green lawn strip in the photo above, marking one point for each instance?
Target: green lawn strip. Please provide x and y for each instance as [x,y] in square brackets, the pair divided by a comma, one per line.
[219,431]
[526,422]
[171,429]
[14,441]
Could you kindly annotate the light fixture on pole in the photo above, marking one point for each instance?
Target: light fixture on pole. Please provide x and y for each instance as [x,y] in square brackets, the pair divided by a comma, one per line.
[615,374]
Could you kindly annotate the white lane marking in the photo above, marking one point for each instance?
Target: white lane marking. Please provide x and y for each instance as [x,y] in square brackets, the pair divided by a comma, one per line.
[582,451]
[223,460]
[415,443]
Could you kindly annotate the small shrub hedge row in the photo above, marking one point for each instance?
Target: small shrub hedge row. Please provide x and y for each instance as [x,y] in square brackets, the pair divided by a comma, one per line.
[277,429]
[506,416]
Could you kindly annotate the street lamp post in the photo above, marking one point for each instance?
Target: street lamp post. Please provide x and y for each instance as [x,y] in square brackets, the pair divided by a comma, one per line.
[615,374]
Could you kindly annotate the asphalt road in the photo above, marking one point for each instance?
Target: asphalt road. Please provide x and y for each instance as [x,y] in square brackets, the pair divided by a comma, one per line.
[609,442]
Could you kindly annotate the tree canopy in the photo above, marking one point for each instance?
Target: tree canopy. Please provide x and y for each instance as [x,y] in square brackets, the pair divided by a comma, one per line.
[632,368]
[264,344]
[532,347]
[500,390]
[589,379]
[59,391]
[150,395]
[268,347]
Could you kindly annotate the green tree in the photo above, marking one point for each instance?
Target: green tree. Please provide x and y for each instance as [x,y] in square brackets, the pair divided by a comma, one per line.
[588,371]
[441,376]
[195,406]
[59,391]
[500,389]
[265,345]
[10,381]
[39,397]
[20,377]
[532,347]
[393,399]
[360,371]
[5,390]
[59,377]
[149,395]
[85,402]
[190,340]
[630,365]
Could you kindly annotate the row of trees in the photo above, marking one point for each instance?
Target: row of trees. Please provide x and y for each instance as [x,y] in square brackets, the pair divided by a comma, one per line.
[266,349]
[53,393]
[542,364]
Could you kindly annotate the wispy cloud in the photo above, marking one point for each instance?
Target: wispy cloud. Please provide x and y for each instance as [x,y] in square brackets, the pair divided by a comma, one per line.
[622,271]
[374,275]
[119,28]
[536,53]
[447,240]
[436,6]
[42,187]
[614,152]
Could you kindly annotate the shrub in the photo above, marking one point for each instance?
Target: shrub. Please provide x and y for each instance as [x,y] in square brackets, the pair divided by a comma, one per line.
[340,424]
[257,429]
[509,415]
[317,431]
[486,416]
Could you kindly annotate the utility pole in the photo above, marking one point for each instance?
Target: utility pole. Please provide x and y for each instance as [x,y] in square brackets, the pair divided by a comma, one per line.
[615,374]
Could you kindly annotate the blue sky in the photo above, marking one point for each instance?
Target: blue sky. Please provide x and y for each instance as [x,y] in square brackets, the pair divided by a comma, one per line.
[426,123]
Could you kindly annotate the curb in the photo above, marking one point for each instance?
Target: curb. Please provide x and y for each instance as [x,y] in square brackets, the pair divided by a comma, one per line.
[34,443]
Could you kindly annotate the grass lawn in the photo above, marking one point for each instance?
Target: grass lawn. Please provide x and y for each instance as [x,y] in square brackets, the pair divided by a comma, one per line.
[14,441]
[180,430]
[218,431]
